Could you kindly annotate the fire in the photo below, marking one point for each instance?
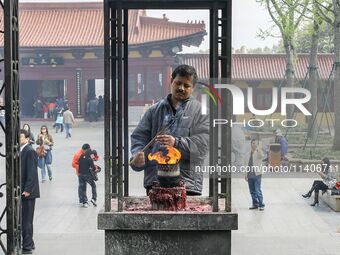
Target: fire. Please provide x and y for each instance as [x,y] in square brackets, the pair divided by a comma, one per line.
[170,155]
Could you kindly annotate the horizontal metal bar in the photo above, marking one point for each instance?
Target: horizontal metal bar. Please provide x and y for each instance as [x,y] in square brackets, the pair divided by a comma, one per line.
[115,57]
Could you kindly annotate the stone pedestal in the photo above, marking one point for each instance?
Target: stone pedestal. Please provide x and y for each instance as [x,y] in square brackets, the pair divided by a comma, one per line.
[142,232]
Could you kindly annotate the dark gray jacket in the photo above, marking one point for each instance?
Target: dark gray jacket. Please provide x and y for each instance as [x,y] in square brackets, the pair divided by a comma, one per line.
[191,130]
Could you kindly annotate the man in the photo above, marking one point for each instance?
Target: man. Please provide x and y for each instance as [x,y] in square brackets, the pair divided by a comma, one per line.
[279,138]
[253,176]
[86,165]
[77,155]
[68,122]
[100,106]
[29,188]
[83,180]
[188,132]
[38,109]
[92,109]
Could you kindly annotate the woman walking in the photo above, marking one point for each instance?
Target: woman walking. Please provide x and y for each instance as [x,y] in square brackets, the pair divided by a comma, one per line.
[28,129]
[44,161]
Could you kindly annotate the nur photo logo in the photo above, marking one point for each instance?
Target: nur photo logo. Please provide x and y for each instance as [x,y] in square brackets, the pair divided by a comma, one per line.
[286,96]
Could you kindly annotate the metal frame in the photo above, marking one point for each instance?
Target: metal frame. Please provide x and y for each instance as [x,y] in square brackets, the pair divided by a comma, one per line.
[11,130]
[116,85]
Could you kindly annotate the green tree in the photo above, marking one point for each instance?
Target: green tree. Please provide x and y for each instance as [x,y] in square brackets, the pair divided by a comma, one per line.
[287,16]
[336,25]
[325,37]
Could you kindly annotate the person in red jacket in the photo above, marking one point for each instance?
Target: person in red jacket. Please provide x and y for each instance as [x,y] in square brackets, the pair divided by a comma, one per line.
[77,155]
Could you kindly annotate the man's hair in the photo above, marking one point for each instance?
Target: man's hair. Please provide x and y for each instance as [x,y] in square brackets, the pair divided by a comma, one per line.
[185,71]
[85,146]
[26,134]
[253,140]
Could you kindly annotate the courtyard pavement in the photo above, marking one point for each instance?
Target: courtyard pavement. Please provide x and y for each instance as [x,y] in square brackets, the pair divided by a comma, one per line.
[287,226]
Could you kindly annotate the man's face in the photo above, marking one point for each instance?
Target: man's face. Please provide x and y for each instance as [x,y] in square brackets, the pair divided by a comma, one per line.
[182,87]
[23,139]
[253,145]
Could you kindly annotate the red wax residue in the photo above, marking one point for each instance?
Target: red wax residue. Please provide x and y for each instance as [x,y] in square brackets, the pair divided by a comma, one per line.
[168,199]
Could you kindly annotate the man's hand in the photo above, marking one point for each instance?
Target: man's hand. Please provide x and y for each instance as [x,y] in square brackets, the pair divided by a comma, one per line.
[166,140]
[138,159]
[26,194]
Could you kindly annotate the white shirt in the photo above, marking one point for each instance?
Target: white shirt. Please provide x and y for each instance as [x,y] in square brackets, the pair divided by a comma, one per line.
[22,147]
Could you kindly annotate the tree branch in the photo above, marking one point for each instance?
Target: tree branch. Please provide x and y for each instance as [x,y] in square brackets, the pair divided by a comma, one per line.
[302,14]
[273,17]
[322,14]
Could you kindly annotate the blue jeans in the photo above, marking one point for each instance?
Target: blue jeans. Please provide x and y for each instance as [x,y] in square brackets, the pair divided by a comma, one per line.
[254,184]
[68,129]
[42,165]
[83,180]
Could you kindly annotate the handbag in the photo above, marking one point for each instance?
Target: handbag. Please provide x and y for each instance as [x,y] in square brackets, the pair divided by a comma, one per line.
[41,151]
[337,185]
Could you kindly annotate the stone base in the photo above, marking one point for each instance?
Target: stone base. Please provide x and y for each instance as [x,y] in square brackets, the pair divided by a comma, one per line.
[332,201]
[184,232]
[167,242]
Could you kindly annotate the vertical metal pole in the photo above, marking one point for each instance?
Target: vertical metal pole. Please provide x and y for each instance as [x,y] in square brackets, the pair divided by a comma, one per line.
[13,180]
[126,104]
[227,99]
[120,106]
[213,143]
[107,79]
[114,118]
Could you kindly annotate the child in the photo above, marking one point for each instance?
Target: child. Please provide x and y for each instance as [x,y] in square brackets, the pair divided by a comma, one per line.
[59,122]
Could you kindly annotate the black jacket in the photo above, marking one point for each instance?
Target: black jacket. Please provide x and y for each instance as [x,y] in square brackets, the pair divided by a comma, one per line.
[191,130]
[29,172]
[85,163]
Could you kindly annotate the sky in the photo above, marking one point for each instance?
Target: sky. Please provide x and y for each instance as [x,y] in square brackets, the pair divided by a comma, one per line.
[248,18]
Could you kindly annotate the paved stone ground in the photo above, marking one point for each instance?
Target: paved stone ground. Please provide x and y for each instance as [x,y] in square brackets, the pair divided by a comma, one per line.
[287,226]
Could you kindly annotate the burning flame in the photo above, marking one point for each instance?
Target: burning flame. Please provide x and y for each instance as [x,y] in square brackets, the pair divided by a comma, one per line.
[170,155]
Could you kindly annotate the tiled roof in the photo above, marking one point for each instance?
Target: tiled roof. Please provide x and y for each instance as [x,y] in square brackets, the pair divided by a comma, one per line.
[259,66]
[81,25]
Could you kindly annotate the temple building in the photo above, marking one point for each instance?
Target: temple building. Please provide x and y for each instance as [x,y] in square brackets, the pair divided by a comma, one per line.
[61,53]
[62,56]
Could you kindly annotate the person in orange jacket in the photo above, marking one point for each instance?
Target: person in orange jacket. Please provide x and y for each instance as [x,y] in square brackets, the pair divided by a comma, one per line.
[77,155]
